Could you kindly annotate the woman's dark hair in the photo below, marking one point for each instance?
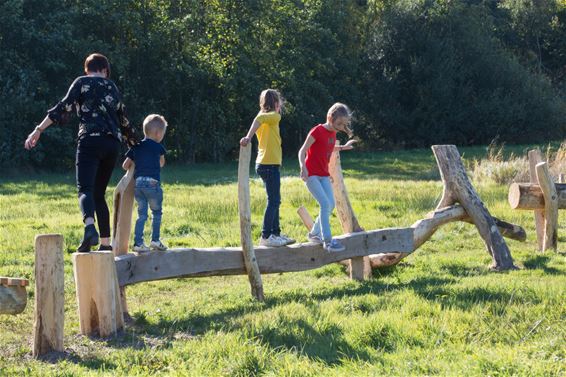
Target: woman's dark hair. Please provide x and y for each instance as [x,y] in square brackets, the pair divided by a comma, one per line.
[96,63]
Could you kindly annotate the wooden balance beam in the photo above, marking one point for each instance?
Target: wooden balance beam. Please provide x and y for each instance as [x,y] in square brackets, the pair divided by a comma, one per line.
[174,263]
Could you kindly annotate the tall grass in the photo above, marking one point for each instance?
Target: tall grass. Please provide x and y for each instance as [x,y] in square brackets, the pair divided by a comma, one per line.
[440,312]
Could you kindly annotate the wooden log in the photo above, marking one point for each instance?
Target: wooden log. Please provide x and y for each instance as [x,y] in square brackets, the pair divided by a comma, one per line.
[528,196]
[98,294]
[305,217]
[550,206]
[248,253]
[175,263]
[360,268]
[49,294]
[425,228]
[457,188]
[123,210]
[535,157]
[13,295]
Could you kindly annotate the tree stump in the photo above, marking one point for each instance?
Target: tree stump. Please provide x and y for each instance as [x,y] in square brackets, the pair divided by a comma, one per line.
[250,260]
[49,294]
[457,188]
[360,268]
[13,295]
[98,294]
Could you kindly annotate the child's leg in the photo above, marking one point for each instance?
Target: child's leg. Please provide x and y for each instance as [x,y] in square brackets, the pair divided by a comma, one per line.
[270,177]
[275,228]
[142,215]
[155,203]
[319,192]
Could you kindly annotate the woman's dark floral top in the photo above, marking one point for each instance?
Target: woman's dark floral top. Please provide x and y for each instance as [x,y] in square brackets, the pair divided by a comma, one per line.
[99,106]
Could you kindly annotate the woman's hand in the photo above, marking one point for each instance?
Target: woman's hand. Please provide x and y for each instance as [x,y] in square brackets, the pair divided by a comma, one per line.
[32,139]
[304,174]
[244,141]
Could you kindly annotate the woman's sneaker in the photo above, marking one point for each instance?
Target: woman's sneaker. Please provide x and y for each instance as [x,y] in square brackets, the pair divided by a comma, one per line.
[288,240]
[334,246]
[157,246]
[272,241]
[143,248]
[314,238]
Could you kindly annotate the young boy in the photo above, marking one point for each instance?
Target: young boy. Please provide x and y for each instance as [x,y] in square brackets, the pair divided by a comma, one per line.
[149,158]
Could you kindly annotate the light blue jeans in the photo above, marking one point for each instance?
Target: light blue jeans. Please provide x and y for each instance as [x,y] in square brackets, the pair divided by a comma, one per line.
[321,189]
[148,192]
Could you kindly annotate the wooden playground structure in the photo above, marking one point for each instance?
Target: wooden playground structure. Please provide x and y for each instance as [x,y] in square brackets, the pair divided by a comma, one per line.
[101,277]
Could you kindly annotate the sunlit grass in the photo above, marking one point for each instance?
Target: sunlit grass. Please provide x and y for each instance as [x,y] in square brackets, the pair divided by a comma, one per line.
[440,312]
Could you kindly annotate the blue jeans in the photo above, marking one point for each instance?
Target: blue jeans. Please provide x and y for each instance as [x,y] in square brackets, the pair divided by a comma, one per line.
[272,182]
[148,192]
[321,189]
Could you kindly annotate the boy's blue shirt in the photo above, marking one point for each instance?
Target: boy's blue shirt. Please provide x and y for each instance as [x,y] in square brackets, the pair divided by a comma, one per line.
[146,156]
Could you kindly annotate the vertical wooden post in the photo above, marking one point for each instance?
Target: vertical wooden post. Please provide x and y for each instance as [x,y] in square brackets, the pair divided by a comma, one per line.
[123,209]
[535,157]
[561,178]
[250,260]
[550,206]
[305,217]
[98,294]
[49,294]
[360,267]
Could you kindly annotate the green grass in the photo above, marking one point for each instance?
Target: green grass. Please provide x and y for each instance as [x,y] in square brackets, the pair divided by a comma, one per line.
[440,312]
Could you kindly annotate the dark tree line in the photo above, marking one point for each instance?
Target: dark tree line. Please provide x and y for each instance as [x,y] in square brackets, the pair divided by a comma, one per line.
[416,72]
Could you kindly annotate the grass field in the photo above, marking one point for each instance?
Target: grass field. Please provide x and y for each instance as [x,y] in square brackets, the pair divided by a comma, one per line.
[440,312]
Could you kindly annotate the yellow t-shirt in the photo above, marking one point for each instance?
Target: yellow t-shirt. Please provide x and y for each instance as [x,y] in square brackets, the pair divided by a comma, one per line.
[269,139]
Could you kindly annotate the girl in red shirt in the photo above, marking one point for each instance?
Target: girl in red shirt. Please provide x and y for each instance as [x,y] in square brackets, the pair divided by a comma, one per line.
[313,158]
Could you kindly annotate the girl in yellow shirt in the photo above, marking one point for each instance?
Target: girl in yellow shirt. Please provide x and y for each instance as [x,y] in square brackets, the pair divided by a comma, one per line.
[269,156]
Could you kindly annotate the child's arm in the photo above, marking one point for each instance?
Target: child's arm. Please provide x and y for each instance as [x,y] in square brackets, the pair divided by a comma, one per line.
[251,132]
[162,160]
[303,155]
[346,147]
[127,163]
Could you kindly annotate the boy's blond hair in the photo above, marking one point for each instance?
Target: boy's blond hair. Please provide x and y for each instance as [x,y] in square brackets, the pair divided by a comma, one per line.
[154,122]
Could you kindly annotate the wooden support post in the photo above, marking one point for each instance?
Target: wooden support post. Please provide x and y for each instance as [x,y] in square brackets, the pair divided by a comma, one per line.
[123,209]
[457,188]
[49,294]
[535,157]
[13,295]
[98,294]
[360,268]
[250,260]
[305,217]
[550,206]
[561,178]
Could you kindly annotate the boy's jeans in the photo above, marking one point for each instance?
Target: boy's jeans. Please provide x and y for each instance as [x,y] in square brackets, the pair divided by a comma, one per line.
[272,180]
[321,189]
[148,192]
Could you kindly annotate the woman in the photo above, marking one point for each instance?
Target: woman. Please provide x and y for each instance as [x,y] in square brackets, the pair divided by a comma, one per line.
[103,125]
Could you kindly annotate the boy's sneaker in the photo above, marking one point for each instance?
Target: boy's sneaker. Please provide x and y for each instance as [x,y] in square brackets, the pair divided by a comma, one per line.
[288,240]
[143,248]
[334,246]
[272,241]
[157,246]
[314,238]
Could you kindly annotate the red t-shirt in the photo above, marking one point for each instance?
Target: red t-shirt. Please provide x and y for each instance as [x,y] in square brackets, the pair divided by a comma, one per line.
[318,155]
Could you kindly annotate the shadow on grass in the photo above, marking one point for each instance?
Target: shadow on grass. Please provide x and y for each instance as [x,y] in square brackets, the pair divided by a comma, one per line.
[539,262]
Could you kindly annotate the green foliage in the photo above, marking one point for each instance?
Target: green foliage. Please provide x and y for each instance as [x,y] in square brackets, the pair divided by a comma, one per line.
[416,72]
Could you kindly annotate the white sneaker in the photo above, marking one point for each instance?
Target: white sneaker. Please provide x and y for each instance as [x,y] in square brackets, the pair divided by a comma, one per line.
[143,248]
[314,238]
[288,240]
[272,241]
[157,245]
